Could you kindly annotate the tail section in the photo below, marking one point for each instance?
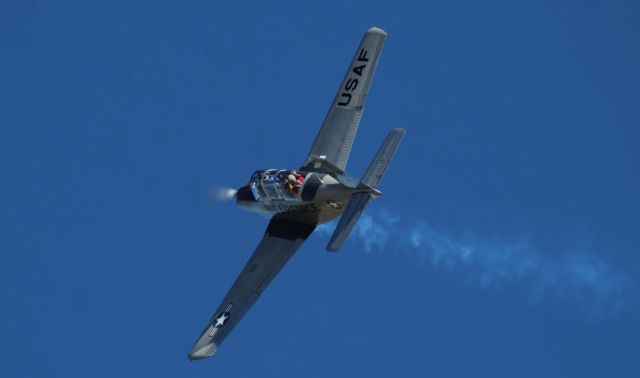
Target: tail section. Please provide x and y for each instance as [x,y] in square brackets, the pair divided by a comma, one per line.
[374,173]
[348,220]
[371,178]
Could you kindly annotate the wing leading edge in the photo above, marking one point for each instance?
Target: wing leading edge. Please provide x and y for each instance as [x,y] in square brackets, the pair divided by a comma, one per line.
[280,241]
[335,138]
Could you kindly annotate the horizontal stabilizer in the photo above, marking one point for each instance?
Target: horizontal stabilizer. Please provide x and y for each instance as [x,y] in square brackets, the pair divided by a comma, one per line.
[348,220]
[370,180]
[379,164]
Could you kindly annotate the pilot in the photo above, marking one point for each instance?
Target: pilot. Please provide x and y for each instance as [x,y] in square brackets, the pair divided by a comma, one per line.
[291,182]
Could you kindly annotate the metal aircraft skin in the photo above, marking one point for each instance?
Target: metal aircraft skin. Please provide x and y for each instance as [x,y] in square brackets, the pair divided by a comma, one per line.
[296,201]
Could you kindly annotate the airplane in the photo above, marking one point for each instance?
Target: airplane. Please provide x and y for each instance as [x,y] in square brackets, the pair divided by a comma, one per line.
[296,201]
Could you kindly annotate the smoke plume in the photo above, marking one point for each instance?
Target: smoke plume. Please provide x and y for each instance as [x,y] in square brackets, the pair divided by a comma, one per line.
[491,263]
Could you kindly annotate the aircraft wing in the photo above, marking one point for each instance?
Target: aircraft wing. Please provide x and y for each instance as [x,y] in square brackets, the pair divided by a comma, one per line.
[335,138]
[280,241]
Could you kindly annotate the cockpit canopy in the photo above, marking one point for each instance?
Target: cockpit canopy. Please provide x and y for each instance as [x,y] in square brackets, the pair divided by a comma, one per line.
[276,184]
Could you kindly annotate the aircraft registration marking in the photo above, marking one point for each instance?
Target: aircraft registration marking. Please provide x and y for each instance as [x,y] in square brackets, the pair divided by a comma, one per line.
[298,208]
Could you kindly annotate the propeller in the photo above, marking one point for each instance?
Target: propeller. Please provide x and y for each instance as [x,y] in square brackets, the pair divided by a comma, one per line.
[219,194]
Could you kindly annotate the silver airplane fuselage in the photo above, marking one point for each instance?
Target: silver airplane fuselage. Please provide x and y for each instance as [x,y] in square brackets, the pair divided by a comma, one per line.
[318,199]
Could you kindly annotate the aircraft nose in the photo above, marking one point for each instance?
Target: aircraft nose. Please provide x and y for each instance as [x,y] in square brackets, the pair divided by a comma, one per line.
[244,194]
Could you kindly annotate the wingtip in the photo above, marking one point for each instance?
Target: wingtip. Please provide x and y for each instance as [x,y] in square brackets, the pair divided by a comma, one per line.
[202,352]
[194,357]
[377,30]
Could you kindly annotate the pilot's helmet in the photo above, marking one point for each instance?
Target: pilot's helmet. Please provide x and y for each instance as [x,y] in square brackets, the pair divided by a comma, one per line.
[291,178]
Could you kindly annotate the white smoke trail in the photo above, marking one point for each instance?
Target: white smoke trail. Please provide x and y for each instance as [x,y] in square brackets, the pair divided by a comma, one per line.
[490,262]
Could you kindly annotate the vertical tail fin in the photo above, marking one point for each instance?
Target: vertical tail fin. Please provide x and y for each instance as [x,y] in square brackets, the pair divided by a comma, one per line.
[359,201]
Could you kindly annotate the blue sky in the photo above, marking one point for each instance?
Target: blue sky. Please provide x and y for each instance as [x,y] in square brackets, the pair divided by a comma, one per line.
[505,244]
